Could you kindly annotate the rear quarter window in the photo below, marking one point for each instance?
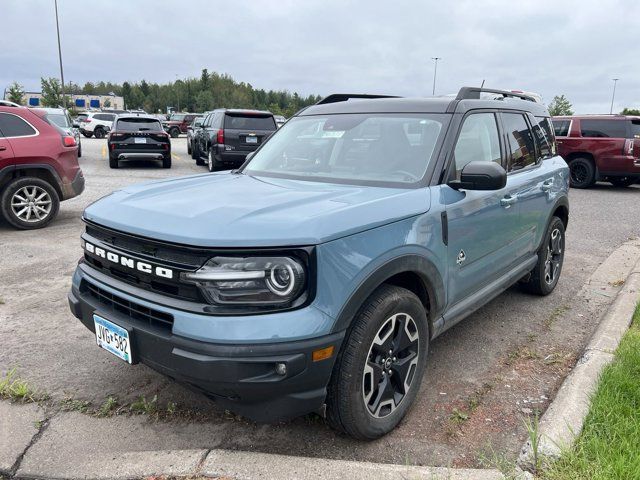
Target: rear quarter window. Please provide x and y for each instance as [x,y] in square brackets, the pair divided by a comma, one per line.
[237,122]
[561,127]
[603,128]
[14,126]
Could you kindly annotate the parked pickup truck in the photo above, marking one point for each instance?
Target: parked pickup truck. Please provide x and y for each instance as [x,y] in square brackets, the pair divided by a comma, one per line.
[314,277]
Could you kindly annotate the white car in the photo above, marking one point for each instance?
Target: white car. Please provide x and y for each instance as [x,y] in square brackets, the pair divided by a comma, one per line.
[96,124]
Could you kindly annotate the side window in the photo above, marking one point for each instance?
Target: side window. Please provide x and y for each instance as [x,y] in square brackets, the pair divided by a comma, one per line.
[561,127]
[520,141]
[542,137]
[478,141]
[603,128]
[14,126]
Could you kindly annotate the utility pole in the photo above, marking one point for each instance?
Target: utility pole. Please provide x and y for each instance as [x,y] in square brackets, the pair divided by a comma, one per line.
[435,72]
[64,98]
[615,81]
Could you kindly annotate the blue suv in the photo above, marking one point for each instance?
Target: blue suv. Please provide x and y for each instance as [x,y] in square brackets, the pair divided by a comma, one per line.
[314,277]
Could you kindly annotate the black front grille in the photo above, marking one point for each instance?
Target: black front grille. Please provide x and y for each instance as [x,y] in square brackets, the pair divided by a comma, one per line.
[134,311]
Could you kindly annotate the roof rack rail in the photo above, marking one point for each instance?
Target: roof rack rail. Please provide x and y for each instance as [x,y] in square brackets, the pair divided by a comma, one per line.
[7,103]
[473,93]
[343,97]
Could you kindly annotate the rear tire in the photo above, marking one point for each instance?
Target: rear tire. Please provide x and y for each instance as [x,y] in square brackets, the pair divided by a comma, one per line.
[622,182]
[28,203]
[113,162]
[189,149]
[166,162]
[583,173]
[380,367]
[174,132]
[212,164]
[544,277]
[99,132]
[79,150]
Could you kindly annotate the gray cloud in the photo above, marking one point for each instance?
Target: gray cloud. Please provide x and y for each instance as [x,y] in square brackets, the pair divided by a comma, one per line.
[324,46]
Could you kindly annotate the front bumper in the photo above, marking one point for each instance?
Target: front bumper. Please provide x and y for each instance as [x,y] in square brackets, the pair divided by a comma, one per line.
[240,377]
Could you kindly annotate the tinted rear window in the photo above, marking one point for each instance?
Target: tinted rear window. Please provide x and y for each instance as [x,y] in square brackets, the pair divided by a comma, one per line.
[561,127]
[58,119]
[138,125]
[249,122]
[635,128]
[603,128]
[14,126]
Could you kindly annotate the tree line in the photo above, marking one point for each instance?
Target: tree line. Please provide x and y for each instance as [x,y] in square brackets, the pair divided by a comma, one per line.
[210,91]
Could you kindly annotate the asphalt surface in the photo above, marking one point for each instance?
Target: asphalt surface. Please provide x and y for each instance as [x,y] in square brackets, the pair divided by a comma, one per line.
[485,375]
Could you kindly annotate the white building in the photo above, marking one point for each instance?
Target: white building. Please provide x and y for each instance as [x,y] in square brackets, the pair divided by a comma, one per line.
[81,101]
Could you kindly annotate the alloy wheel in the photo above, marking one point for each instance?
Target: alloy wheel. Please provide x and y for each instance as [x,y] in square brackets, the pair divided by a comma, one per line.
[579,174]
[31,204]
[390,365]
[554,257]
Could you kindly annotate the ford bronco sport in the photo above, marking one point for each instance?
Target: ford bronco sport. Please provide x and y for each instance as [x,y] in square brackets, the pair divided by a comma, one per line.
[314,277]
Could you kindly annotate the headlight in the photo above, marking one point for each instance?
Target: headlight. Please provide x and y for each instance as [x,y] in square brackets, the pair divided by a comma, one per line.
[250,280]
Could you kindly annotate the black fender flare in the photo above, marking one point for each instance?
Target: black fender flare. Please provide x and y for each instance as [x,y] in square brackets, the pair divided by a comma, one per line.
[413,263]
[563,201]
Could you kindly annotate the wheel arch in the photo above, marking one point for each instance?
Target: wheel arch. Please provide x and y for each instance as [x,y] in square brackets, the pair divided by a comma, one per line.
[413,272]
[42,171]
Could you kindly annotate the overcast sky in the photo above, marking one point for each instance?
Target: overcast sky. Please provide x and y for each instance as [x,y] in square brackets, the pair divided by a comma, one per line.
[325,46]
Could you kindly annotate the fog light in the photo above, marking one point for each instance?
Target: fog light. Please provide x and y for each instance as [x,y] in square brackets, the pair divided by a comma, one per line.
[281,369]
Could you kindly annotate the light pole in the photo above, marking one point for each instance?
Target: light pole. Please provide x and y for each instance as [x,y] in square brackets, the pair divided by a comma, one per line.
[64,98]
[177,92]
[435,72]
[615,81]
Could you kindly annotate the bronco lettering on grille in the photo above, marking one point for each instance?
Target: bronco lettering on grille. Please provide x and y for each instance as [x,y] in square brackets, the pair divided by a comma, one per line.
[128,262]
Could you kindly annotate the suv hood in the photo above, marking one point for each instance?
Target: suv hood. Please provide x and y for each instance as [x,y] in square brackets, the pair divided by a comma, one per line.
[231,210]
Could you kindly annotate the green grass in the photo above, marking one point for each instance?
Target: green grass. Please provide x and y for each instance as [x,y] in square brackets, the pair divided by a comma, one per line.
[609,444]
[14,388]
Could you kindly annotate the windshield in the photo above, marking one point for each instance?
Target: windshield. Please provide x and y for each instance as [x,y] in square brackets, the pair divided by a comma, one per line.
[58,119]
[139,124]
[351,148]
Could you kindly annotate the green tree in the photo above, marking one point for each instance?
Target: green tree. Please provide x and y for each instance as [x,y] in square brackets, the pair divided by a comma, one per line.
[126,94]
[15,93]
[560,106]
[51,92]
[204,79]
[630,111]
[204,101]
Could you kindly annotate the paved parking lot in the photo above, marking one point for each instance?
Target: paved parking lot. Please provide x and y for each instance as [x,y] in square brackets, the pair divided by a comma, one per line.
[484,376]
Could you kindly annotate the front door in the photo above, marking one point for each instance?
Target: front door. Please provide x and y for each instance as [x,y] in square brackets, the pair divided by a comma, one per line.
[483,225]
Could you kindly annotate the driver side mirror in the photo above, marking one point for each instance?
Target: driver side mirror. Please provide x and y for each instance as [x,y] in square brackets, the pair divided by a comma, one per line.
[481,176]
[249,156]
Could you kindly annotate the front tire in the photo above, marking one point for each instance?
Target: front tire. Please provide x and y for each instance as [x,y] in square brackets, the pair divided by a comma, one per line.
[379,370]
[99,132]
[189,149]
[544,277]
[583,173]
[87,134]
[28,203]
[174,132]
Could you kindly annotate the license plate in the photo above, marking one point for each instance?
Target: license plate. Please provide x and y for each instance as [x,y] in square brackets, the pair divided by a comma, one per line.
[251,139]
[140,140]
[112,338]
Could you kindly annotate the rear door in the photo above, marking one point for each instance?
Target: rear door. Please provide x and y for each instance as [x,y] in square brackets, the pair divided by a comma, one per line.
[6,152]
[245,132]
[605,139]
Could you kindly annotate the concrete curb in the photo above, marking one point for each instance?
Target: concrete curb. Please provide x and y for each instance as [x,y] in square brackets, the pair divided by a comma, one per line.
[562,422]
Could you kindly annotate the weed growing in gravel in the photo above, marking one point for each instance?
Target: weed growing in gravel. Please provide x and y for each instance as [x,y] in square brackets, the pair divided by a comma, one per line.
[14,388]
[144,406]
[73,405]
[555,314]
[108,407]
[533,432]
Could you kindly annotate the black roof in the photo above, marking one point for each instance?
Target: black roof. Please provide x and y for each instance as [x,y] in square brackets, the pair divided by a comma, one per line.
[467,99]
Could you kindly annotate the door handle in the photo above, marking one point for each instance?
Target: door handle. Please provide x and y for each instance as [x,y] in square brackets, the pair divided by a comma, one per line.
[2,148]
[508,200]
[546,185]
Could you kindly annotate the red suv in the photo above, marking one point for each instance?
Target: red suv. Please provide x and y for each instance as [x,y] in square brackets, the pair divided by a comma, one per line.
[600,147]
[178,123]
[38,167]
